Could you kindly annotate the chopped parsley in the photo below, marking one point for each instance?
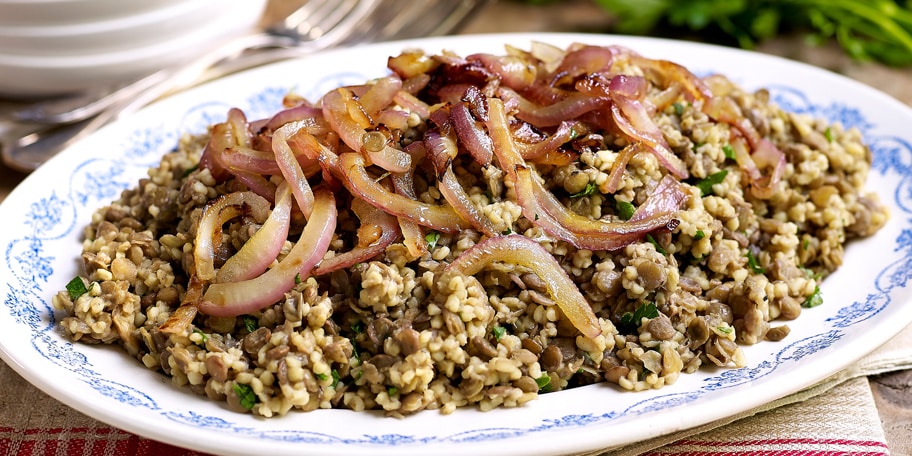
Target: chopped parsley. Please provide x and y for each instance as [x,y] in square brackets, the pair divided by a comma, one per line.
[297,279]
[336,378]
[76,288]
[630,321]
[706,185]
[728,151]
[814,300]
[678,108]
[828,133]
[754,264]
[499,332]
[431,239]
[203,336]
[590,189]
[245,395]
[392,391]
[656,244]
[724,329]
[320,377]
[190,170]
[250,323]
[544,383]
[625,209]
[699,235]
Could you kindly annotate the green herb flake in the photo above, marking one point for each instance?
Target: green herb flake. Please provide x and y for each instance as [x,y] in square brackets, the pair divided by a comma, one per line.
[431,239]
[655,244]
[392,391]
[724,329]
[297,279]
[251,323]
[828,133]
[245,395]
[499,332]
[706,185]
[76,288]
[728,151]
[625,209]
[544,383]
[678,108]
[190,170]
[357,327]
[203,337]
[814,300]
[630,321]
[590,189]
[754,264]
[699,235]
[320,377]
[336,378]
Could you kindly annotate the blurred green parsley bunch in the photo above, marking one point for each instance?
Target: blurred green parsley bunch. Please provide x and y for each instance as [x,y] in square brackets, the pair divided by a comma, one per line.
[878,30]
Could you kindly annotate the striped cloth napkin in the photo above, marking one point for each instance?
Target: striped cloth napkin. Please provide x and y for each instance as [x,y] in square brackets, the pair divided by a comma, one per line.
[835,417]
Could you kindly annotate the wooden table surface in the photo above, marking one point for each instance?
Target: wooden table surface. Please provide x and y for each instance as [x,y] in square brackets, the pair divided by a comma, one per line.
[893,392]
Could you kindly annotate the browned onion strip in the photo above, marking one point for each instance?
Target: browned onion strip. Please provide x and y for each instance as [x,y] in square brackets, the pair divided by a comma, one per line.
[247,296]
[363,185]
[571,107]
[620,164]
[564,134]
[504,147]
[584,60]
[264,246]
[215,214]
[453,192]
[291,169]
[520,250]
[632,117]
[338,106]
[377,231]
[471,134]
[303,113]
[380,94]
[544,210]
[403,183]
[764,153]
[669,73]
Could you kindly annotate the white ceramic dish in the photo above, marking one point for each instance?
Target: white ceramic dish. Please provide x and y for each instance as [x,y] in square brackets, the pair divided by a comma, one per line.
[40,75]
[864,302]
[133,31]
[61,12]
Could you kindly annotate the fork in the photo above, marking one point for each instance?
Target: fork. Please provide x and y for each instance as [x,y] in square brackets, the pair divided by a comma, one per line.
[316,25]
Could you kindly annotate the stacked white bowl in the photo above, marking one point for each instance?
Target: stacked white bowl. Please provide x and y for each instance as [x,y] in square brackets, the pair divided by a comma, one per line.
[52,47]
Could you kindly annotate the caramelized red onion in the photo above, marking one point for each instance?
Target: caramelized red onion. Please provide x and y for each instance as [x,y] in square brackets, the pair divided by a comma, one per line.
[377,231]
[247,296]
[520,250]
[215,214]
[264,246]
[365,186]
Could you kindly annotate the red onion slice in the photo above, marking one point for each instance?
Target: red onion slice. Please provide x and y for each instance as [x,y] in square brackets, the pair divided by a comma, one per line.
[370,242]
[264,246]
[520,250]
[239,298]
[365,186]
[291,169]
[215,214]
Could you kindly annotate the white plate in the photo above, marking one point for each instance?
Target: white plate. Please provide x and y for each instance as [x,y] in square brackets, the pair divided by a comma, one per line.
[43,218]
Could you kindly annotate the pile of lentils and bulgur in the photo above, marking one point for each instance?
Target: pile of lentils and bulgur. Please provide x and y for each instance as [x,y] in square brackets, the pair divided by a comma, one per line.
[474,231]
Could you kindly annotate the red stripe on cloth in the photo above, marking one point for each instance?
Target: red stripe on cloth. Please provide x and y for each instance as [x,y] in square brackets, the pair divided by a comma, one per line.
[83,441]
[806,441]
